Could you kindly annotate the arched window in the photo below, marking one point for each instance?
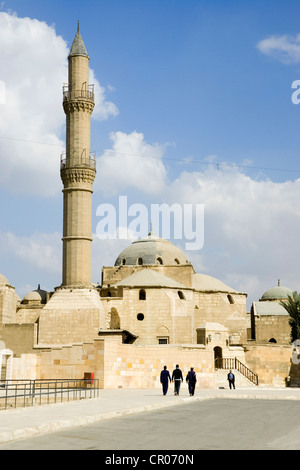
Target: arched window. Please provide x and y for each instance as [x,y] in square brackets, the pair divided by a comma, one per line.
[272,340]
[181,295]
[142,294]
[176,261]
[230,299]
[114,323]
[159,261]
[140,316]
[124,262]
[140,261]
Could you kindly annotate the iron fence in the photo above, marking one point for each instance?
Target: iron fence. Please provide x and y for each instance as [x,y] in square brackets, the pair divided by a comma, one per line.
[234,363]
[22,393]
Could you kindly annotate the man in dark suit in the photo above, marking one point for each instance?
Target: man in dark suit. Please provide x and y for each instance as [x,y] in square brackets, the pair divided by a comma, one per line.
[164,379]
[191,379]
[231,379]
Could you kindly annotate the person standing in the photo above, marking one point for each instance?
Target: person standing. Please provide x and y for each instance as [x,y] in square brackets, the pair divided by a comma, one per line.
[164,379]
[191,379]
[177,379]
[231,379]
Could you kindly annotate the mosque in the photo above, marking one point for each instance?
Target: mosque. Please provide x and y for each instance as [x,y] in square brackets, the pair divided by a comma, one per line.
[151,308]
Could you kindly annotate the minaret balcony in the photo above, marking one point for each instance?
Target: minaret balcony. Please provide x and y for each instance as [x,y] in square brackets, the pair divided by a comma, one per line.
[78,161]
[83,94]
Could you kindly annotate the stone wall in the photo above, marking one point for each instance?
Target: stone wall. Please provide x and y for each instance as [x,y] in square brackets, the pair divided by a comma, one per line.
[128,366]
[271,362]
[8,304]
[19,338]
[114,364]
[71,315]
[272,327]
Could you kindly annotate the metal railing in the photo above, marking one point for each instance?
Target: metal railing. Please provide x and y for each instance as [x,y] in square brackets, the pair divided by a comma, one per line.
[77,160]
[234,363]
[23,393]
[74,94]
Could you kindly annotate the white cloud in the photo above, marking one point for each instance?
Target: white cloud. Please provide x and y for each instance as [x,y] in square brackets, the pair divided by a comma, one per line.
[131,163]
[33,69]
[284,48]
[40,250]
[251,227]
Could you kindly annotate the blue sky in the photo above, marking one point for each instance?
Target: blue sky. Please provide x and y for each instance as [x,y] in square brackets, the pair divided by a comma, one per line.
[196,98]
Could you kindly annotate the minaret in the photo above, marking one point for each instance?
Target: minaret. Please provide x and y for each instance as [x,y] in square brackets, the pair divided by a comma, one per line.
[75,313]
[78,170]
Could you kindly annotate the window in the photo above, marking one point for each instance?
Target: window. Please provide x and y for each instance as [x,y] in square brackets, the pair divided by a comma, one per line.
[230,299]
[163,340]
[159,261]
[181,295]
[176,261]
[142,294]
[124,262]
[140,316]
[140,261]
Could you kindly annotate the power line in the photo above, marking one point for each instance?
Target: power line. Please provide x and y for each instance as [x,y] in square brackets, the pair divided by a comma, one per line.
[185,161]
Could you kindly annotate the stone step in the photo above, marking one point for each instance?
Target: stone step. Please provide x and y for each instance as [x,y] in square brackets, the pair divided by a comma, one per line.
[240,380]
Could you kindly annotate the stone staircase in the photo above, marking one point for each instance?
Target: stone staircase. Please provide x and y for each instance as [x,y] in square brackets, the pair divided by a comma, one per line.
[240,380]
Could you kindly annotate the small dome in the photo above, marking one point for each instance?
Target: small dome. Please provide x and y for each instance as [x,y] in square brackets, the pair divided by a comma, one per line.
[35,296]
[151,250]
[3,280]
[277,293]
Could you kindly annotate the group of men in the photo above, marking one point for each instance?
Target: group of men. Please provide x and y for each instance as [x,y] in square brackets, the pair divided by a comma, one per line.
[177,378]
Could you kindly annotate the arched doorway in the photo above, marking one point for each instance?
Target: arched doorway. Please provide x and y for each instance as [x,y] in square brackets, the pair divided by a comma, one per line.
[6,356]
[218,356]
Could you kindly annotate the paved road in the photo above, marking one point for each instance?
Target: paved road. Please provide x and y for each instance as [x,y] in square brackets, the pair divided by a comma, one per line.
[214,424]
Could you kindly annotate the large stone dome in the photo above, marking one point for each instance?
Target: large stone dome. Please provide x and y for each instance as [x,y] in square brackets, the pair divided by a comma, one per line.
[151,250]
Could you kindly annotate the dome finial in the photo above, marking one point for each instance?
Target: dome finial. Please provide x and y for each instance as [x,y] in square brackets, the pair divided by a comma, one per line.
[78,26]
[278,282]
[151,233]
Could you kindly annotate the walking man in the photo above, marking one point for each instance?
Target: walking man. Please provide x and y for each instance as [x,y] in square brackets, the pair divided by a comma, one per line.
[177,379]
[231,379]
[164,379]
[191,379]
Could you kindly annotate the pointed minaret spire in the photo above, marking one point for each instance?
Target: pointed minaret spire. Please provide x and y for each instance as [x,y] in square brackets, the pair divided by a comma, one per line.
[78,47]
